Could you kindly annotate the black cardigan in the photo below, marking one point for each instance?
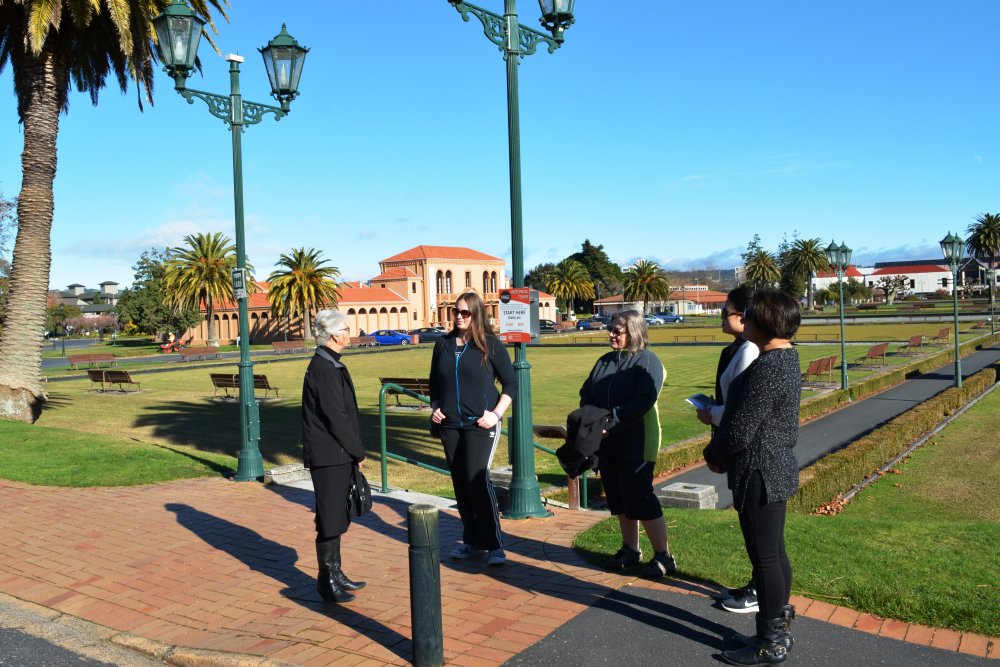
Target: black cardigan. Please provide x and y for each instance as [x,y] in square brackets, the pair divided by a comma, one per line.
[463,386]
[331,434]
[760,426]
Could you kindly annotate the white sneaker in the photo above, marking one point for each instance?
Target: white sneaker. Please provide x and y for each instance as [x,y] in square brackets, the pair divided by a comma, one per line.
[465,551]
[497,557]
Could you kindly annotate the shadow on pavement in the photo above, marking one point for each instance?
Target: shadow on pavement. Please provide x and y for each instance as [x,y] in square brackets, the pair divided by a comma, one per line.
[278,562]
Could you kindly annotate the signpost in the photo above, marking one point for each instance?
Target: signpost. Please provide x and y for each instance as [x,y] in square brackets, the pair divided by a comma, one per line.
[516,314]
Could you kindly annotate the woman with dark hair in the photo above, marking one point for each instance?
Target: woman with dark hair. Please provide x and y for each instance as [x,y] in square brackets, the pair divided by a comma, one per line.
[331,448]
[626,382]
[734,359]
[467,411]
[753,445]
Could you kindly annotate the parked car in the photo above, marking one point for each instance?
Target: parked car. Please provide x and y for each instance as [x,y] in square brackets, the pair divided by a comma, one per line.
[546,326]
[390,337]
[428,334]
[670,318]
[653,320]
[591,324]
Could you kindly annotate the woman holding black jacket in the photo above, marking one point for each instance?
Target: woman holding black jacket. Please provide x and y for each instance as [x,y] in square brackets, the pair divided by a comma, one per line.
[468,410]
[331,448]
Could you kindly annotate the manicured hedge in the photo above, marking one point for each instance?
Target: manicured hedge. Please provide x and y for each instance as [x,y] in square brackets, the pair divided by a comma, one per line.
[837,473]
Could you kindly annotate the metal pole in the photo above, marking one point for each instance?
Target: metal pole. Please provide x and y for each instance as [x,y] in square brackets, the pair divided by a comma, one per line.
[993,298]
[62,326]
[843,340]
[958,355]
[425,586]
[525,494]
[249,466]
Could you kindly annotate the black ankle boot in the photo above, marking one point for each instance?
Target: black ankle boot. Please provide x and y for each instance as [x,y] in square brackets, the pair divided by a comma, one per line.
[328,583]
[786,640]
[767,648]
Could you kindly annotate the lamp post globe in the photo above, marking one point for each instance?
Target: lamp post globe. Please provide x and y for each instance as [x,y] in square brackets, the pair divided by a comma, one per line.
[839,258]
[951,248]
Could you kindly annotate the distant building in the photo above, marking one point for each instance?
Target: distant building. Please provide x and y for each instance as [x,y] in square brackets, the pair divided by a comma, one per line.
[414,289]
[78,295]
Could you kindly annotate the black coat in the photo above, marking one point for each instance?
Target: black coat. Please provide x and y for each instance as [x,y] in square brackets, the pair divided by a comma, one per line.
[331,433]
[584,431]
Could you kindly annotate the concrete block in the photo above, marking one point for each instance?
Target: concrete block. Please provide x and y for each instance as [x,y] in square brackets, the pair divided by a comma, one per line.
[697,496]
[294,472]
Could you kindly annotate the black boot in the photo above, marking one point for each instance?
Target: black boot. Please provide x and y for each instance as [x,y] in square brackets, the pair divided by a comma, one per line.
[328,583]
[767,648]
[786,640]
[339,573]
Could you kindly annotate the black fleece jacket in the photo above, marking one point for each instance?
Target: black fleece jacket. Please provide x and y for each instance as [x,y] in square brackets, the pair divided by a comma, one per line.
[463,386]
[331,433]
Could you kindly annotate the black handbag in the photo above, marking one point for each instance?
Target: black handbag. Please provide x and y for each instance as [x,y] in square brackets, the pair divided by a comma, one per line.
[359,496]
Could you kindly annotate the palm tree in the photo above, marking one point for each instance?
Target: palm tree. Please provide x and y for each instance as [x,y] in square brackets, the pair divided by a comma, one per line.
[647,281]
[762,269]
[203,272]
[570,280]
[307,283]
[984,242]
[51,45]
[805,258]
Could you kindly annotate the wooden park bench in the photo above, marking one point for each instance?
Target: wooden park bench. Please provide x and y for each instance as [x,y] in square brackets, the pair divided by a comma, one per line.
[875,355]
[867,306]
[912,346]
[227,381]
[942,336]
[91,360]
[363,341]
[923,306]
[981,324]
[206,352]
[282,346]
[564,327]
[106,378]
[818,367]
[419,385]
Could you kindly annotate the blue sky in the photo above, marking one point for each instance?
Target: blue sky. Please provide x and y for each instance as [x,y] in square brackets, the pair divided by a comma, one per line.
[674,136]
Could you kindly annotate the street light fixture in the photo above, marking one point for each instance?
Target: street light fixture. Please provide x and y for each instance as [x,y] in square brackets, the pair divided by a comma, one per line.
[517,41]
[951,248]
[178,31]
[62,328]
[839,258]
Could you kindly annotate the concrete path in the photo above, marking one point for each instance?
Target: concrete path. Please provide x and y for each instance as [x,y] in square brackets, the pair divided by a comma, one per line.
[840,428]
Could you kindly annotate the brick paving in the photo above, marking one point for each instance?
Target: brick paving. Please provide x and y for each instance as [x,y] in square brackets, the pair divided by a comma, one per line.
[212,572]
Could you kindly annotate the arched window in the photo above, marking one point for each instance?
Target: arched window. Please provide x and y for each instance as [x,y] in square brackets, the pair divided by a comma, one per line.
[440,282]
[351,311]
[447,283]
[493,281]
[486,282]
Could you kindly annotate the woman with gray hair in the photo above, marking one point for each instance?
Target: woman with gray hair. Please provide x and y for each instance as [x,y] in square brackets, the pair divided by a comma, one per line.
[331,447]
[626,382]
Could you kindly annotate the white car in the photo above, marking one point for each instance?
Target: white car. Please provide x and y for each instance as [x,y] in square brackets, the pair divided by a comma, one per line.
[653,320]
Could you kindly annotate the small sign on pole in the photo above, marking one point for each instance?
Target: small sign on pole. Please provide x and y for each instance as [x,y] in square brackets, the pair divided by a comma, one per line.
[240,283]
[515,315]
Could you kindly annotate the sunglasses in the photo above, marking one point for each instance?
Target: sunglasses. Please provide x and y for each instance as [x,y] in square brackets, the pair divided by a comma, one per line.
[464,314]
[726,316]
[616,332]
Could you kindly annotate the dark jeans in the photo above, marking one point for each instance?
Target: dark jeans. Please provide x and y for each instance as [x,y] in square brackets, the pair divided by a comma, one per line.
[763,526]
[469,454]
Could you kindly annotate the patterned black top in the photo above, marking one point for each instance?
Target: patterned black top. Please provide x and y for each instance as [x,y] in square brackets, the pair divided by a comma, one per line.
[760,426]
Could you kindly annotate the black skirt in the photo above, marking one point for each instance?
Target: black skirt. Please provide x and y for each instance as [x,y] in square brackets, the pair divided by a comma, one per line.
[331,484]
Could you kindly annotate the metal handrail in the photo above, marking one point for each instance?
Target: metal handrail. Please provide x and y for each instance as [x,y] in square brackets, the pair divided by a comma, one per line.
[426,399]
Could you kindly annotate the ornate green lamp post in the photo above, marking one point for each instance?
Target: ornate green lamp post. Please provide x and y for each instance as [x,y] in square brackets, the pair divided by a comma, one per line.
[517,41]
[951,248]
[839,258]
[178,31]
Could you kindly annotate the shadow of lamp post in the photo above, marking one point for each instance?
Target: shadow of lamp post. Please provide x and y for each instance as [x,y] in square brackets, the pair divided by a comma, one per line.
[178,31]
[839,258]
[951,248]
[517,41]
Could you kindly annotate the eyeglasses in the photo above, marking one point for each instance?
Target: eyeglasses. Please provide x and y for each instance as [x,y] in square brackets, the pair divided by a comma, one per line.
[464,314]
[747,313]
[616,332]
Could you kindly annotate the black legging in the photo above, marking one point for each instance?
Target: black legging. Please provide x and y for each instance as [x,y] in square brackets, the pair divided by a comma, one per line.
[469,453]
[763,526]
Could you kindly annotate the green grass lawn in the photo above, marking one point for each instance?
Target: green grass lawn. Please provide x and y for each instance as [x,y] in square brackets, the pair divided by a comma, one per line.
[920,546]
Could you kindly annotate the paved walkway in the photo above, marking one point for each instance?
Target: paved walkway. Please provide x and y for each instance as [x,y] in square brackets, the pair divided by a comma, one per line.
[212,572]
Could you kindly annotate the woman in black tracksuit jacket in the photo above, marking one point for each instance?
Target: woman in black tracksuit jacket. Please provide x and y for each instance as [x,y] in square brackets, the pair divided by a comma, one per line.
[468,410]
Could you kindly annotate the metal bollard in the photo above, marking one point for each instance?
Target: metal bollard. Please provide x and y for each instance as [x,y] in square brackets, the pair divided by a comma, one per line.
[573,487]
[425,586]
